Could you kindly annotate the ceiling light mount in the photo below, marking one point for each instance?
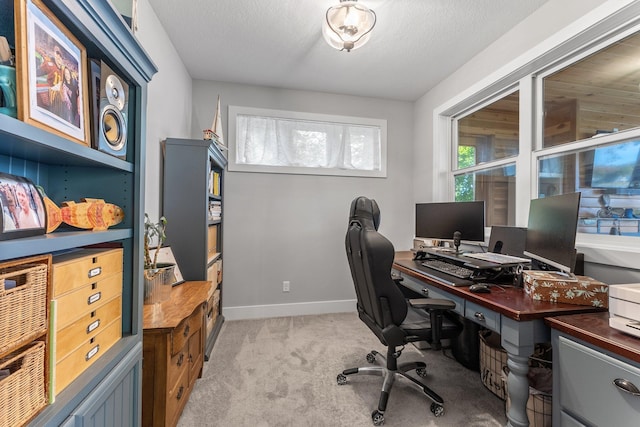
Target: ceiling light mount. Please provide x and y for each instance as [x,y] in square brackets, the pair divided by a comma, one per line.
[348,25]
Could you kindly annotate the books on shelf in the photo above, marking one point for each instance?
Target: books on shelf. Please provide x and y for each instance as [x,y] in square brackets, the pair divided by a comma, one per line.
[215,210]
[214,183]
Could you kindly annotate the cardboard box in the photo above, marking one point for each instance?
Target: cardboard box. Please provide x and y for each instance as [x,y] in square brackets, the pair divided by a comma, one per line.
[554,287]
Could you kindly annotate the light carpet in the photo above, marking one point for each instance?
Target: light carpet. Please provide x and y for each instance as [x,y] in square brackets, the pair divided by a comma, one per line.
[282,372]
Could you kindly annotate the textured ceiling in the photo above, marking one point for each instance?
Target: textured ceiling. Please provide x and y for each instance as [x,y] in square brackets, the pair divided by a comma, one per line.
[414,46]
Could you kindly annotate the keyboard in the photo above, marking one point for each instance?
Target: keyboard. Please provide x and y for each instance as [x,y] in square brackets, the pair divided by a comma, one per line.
[448,268]
[498,258]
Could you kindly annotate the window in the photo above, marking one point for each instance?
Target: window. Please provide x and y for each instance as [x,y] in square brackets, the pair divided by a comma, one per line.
[493,131]
[305,143]
[579,106]
[608,178]
[486,137]
[496,186]
[595,95]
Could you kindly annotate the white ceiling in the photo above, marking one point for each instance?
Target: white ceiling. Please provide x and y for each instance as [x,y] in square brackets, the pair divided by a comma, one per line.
[414,45]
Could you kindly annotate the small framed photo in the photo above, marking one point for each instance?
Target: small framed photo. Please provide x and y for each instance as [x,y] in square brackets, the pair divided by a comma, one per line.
[52,69]
[165,255]
[23,212]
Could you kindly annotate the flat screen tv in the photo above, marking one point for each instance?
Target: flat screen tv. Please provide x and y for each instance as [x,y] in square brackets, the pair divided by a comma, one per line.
[441,220]
[617,166]
[551,233]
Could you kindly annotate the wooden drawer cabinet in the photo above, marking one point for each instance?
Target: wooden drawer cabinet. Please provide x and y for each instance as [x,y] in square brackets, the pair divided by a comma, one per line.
[173,352]
[86,310]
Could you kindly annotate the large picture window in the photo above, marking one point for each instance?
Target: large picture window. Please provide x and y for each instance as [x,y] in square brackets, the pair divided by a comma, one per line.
[290,142]
[581,112]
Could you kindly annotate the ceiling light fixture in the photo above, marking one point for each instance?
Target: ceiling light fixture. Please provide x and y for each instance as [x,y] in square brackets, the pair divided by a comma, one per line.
[348,25]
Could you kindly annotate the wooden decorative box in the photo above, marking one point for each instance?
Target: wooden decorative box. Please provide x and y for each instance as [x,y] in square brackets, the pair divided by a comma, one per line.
[554,287]
[86,311]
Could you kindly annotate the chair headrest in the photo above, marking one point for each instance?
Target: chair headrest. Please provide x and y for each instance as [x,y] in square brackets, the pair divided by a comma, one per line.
[365,211]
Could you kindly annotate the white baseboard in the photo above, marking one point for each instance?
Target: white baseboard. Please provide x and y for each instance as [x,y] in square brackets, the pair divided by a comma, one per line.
[283,310]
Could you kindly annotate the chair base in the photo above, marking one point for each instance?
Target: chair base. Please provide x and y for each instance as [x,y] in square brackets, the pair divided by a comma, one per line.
[389,377]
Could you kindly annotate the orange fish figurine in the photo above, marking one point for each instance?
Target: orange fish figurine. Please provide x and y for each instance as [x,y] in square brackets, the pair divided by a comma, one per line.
[94,214]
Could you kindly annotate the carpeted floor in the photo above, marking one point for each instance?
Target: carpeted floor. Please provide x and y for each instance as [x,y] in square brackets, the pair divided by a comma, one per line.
[282,372]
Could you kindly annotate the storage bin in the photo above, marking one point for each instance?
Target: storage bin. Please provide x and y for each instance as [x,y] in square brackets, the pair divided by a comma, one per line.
[23,308]
[23,392]
[493,358]
[540,401]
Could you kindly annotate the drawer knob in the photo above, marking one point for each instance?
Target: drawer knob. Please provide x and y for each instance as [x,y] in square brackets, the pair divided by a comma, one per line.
[186,331]
[425,291]
[626,386]
[480,316]
[180,359]
[180,391]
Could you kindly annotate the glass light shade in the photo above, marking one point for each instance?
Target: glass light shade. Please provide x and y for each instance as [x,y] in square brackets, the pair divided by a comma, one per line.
[348,25]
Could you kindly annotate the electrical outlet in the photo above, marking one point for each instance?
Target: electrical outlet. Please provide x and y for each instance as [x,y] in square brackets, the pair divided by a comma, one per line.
[286,286]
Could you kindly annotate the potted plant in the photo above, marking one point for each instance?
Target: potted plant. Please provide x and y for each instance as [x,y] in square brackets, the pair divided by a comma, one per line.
[158,277]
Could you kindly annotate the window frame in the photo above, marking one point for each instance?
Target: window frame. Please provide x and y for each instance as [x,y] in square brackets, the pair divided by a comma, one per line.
[601,28]
[234,166]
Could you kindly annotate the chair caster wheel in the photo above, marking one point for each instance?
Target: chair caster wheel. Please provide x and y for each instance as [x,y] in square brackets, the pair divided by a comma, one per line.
[342,379]
[371,357]
[377,417]
[437,410]
[422,372]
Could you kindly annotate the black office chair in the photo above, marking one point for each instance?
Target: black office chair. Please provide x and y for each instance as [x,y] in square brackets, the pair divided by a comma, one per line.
[383,308]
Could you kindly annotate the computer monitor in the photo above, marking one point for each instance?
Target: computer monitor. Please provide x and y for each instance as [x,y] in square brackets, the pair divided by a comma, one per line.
[508,240]
[441,220]
[551,234]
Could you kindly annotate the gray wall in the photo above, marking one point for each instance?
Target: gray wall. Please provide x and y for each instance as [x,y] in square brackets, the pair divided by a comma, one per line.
[168,102]
[291,227]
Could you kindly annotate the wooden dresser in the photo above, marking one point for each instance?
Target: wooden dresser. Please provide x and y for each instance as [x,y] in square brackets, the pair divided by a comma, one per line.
[173,352]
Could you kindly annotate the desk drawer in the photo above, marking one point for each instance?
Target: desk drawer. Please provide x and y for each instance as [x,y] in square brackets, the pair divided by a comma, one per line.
[586,376]
[482,316]
[433,292]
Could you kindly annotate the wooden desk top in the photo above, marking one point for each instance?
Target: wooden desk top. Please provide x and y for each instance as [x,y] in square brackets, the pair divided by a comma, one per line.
[184,299]
[510,301]
[594,328]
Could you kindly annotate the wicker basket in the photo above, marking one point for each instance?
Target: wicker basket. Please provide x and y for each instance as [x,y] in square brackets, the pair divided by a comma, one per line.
[539,403]
[23,308]
[493,358]
[23,392]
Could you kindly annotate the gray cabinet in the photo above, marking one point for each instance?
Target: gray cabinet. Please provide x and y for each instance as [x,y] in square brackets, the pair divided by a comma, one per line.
[596,372]
[586,393]
[69,171]
[193,205]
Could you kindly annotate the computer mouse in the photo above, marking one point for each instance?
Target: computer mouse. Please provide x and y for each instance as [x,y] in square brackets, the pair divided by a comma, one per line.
[479,288]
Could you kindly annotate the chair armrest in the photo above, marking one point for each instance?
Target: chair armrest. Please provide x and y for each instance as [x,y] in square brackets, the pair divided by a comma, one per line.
[432,303]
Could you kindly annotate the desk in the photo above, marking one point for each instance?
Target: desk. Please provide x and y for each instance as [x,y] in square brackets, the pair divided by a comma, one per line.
[517,318]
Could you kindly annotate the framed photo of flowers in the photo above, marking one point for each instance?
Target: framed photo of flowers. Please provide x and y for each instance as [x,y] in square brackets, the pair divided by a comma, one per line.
[51,69]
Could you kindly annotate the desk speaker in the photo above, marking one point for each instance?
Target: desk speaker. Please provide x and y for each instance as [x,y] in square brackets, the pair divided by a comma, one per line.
[110,111]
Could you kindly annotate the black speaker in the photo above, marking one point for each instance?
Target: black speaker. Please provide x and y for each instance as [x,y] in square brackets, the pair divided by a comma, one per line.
[110,110]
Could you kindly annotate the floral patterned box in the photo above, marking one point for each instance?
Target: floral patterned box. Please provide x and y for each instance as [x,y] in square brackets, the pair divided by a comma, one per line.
[554,287]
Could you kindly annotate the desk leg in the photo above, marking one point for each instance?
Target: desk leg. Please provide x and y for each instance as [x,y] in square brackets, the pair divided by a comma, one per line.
[518,386]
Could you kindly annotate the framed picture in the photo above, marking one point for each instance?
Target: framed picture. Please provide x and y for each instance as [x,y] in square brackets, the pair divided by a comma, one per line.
[51,66]
[23,212]
[165,255]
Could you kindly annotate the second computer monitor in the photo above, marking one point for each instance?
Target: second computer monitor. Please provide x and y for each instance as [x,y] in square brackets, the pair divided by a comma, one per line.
[508,240]
[441,220]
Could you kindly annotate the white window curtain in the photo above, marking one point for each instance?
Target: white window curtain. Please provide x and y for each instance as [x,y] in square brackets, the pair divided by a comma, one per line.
[274,141]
